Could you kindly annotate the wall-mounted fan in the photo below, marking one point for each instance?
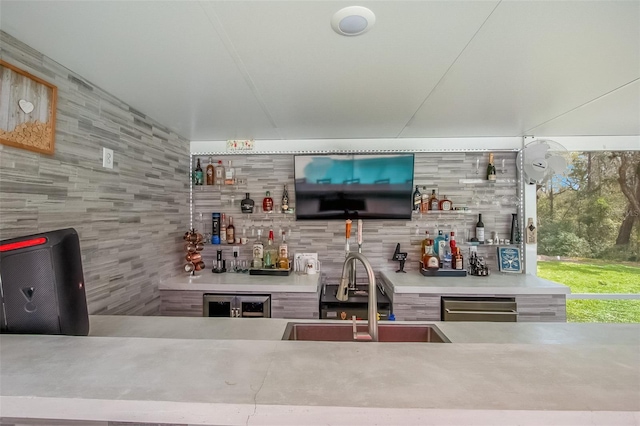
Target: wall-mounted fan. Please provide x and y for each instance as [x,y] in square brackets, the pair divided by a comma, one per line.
[541,159]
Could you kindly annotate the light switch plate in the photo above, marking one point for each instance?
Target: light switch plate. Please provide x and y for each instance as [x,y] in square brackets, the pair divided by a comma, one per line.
[298,256]
[107,158]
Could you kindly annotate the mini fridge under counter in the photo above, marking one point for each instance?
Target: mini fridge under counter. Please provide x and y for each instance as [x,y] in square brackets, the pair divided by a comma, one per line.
[237,306]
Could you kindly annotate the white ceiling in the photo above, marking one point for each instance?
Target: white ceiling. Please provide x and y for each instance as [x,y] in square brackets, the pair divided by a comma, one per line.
[217,70]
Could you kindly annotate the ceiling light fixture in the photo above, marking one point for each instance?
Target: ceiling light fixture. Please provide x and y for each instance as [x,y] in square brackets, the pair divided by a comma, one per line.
[353,20]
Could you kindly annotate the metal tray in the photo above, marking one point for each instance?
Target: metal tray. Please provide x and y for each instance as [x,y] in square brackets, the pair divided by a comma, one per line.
[272,272]
[443,272]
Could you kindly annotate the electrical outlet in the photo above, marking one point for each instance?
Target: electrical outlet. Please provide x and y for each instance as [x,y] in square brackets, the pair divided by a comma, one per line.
[236,251]
[107,158]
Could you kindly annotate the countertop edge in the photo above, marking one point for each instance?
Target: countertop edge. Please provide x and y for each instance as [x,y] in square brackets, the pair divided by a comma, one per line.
[242,414]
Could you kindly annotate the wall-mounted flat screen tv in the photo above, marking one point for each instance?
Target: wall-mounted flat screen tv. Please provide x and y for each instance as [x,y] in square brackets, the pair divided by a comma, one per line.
[353,186]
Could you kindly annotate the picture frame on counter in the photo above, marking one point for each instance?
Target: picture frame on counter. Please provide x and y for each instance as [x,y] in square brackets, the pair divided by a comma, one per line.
[509,260]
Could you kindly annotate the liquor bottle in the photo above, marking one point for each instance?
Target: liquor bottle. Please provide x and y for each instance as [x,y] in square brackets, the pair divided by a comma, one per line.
[436,243]
[215,228]
[219,173]
[247,204]
[491,169]
[198,175]
[223,228]
[283,253]
[458,262]
[445,253]
[231,232]
[445,204]
[229,175]
[210,176]
[480,230]
[284,205]
[270,255]
[258,251]
[267,202]
[424,205]
[430,260]
[434,203]
[417,200]
[425,243]
[452,242]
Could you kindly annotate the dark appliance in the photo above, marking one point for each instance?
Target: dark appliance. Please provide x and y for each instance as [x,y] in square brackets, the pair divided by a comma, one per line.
[493,309]
[353,186]
[237,306]
[42,285]
[357,304]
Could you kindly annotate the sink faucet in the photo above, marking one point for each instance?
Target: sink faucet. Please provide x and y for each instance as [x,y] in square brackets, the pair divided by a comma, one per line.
[343,294]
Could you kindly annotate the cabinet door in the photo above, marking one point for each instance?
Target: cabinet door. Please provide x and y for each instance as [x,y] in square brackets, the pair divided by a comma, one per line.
[218,306]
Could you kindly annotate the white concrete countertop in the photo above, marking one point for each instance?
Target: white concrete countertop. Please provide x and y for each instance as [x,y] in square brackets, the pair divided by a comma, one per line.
[234,282]
[238,371]
[497,283]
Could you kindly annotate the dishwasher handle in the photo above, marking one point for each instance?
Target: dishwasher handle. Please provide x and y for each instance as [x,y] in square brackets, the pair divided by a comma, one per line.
[455,311]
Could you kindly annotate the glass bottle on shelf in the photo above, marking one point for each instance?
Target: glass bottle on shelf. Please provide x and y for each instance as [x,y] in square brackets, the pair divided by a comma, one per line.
[283,253]
[267,203]
[417,200]
[270,255]
[437,242]
[258,251]
[231,232]
[430,260]
[427,240]
[198,175]
[223,227]
[229,175]
[458,261]
[424,203]
[445,204]
[210,176]
[284,205]
[434,203]
[480,230]
[491,169]
[219,173]
[247,204]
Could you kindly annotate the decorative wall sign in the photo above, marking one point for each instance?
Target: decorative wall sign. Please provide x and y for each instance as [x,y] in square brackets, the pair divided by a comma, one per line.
[27,110]
[509,259]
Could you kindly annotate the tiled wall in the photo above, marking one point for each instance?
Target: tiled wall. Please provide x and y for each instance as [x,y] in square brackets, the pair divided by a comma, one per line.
[130,219]
[441,171]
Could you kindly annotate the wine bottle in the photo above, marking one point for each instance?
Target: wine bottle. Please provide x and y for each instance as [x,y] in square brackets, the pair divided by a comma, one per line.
[198,176]
[480,230]
[210,177]
[491,169]
[417,200]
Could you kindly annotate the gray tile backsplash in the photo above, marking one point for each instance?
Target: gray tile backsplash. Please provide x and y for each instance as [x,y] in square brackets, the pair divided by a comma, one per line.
[441,171]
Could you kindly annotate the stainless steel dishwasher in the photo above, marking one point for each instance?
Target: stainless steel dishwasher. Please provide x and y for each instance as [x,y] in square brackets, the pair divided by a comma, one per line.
[494,309]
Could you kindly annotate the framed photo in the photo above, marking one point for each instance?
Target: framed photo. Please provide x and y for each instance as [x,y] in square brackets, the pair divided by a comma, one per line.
[509,260]
[27,110]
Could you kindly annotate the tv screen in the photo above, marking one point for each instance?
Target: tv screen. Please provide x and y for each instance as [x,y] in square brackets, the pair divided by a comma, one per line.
[353,186]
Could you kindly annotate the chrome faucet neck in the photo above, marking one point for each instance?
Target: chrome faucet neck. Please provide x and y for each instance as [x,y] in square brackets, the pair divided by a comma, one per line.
[343,293]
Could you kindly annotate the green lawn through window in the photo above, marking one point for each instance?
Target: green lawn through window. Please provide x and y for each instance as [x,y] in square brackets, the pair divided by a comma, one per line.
[592,277]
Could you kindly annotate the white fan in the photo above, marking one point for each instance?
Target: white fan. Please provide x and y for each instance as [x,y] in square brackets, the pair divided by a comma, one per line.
[541,159]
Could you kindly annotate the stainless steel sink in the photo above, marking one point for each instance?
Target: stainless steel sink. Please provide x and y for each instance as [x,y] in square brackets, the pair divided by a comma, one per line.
[343,332]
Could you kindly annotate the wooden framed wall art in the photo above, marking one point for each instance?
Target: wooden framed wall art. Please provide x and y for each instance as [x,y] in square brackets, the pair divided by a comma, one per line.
[27,110]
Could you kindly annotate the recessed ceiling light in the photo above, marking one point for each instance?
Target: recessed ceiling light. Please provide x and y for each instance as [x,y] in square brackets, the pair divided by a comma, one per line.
[353,20]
